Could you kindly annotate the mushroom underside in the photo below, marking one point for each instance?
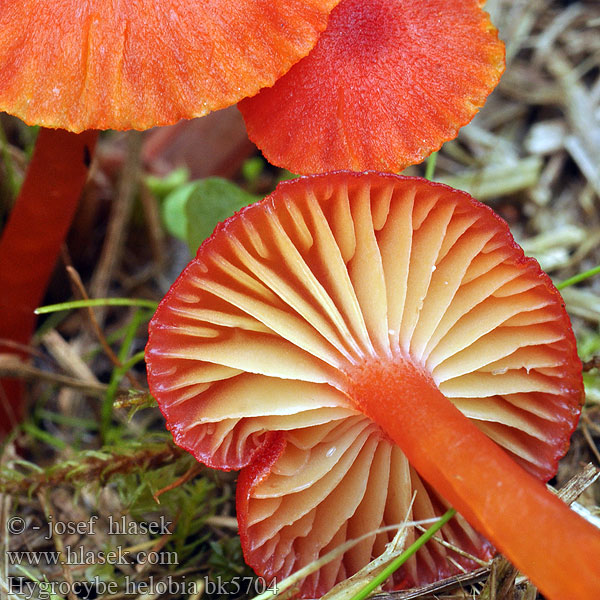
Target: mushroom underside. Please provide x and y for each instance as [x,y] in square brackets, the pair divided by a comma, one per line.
[256,355]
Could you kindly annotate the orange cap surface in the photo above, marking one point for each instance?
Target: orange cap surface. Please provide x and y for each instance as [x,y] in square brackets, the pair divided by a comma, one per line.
[387,84]
[136,64]
[308,317]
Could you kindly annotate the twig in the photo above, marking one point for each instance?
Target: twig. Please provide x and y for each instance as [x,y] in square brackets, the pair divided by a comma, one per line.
[189,474]
[443,585]
[501,580]
[590,441]
[156,231]
[456,549]
[58,543]
[12,366]
[23,348]
[593,363]
[571,490]
[134,400]
[74,275]
[121,211]
[221,521]
[67,358]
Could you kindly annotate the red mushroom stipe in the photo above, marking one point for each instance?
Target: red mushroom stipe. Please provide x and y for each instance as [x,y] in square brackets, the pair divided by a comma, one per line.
[134,65]
[31,241]
[387,83]
[356,338]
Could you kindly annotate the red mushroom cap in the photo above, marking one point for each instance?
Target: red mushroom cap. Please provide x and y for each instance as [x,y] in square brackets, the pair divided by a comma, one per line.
[388,82]
[307,341]
[103,65]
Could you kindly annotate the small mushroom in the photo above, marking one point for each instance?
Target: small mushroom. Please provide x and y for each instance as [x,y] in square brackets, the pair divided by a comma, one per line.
[388,82]
[355,338]
[128,65]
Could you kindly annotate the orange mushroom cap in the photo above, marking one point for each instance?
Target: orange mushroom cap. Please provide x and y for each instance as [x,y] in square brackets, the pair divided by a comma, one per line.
[354,338]
[136,64]
[388,82]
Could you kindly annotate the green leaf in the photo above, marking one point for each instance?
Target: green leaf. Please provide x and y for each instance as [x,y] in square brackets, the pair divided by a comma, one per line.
[162,186]
[192,211]
[174,210]
[253,168]
[210,201]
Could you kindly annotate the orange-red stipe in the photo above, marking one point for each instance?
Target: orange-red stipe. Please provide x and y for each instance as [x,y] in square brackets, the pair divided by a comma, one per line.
[142,63]
[356,338]
[527,523]
[388,82]
[31,240]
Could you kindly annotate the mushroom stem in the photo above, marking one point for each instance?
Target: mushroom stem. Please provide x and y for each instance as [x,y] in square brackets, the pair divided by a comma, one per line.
[552,545]
[32,239]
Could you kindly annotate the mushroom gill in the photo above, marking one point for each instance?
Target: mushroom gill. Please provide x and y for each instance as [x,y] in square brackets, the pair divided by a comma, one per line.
[353,339]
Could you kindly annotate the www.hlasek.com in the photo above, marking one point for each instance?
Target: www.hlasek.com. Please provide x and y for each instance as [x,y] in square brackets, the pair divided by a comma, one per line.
[45,590]
[78,556]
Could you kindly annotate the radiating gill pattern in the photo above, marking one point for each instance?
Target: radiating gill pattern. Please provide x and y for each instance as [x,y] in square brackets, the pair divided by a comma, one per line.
[340,481]
[257,334]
